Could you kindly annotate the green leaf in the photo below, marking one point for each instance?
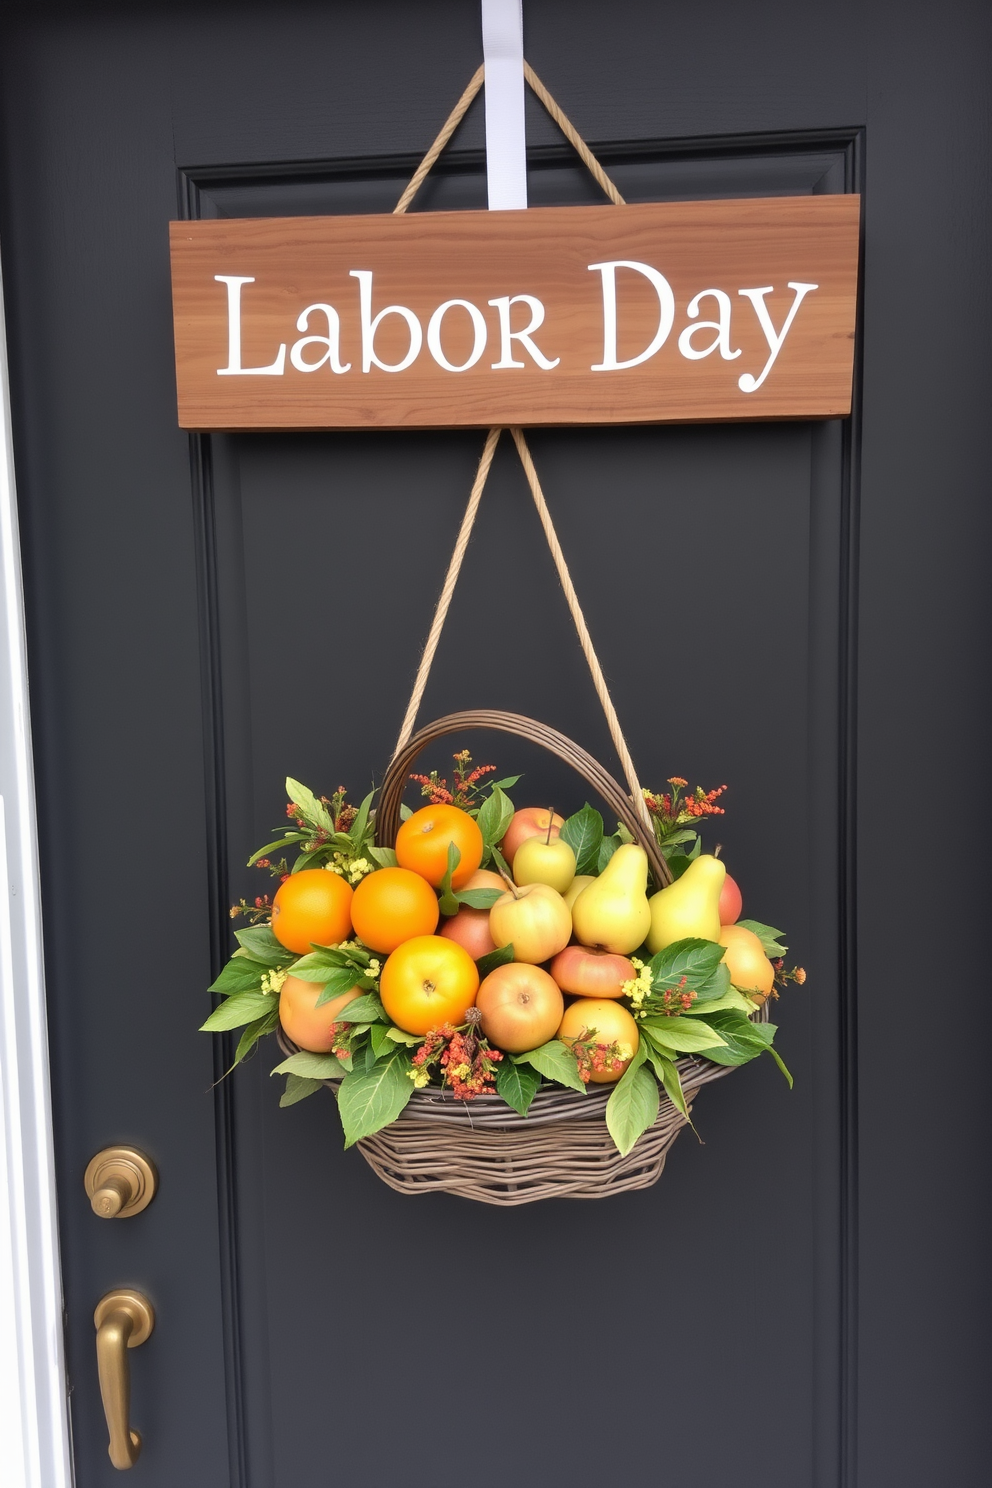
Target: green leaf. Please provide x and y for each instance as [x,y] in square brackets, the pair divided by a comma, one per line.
[489,962]
[262,945]
[495,816]
[337,984]
[499,863]
[253,1033]
[405,811]
[380,1040]
[517,1084]
[297,1089]
[507,784]
[239,975]
[688,1036]
[781,1064]
[365,1009]
[400,1036]
[607,848]
[667,1072]
[371,1099]
[313,810]
[312,969]
[699,961]
[730,999]
[633,1106]
[332,956]
[313,859]
[271,847]
[741,1038]
[584,833]
[384,856]
[770,939]
[312,1066]
[243,1007]
[359,826]
[479,898]
[555,1061]
[449,904]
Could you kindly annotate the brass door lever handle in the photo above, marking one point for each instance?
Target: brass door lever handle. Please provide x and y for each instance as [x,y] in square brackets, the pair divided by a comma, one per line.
[123,1320]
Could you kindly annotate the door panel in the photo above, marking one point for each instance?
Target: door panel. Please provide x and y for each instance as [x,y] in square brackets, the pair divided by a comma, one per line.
[310,675]
[202,619]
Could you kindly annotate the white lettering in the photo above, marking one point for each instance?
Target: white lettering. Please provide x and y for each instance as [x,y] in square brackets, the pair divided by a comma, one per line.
[370,326]
[721,326]
[331,342]
[506,335]
[666,315]
[234,367]
[479,328]
[746,382]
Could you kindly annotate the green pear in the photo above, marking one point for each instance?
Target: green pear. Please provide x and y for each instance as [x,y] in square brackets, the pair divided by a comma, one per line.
[613,912]
[690,907]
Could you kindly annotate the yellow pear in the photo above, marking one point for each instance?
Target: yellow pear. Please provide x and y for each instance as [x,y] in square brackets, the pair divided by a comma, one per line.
[690,907]
[612,912]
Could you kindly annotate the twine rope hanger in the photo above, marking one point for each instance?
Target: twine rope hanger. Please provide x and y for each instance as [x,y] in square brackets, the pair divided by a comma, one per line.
[526,459]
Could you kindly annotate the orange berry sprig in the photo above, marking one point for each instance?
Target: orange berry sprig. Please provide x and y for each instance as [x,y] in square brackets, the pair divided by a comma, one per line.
[465,791]
[461,1056]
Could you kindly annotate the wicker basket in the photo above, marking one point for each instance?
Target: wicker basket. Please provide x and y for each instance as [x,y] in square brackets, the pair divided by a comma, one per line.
[482,1149]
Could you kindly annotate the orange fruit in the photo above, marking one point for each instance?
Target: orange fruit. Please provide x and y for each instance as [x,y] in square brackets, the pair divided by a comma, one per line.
[391,906]
[428,981]
[422,844]
[309,1026]
[751,972]
[606,1022]
[312,907]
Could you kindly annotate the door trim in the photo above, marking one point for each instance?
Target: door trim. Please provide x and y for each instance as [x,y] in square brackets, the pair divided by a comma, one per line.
[34,1418]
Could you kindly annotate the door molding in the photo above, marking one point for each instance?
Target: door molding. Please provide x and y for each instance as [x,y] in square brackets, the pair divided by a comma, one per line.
[34,1420]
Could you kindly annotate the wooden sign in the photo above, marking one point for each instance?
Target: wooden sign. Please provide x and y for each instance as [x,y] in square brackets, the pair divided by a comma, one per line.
[684,311]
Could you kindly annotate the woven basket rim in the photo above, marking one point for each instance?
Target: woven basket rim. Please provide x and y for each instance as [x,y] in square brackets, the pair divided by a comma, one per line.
[551,1104]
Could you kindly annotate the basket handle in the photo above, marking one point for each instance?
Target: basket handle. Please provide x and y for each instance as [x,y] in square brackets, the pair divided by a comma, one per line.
[387,819]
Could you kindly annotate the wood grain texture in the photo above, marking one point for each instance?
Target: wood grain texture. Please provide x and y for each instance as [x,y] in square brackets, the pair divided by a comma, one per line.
[422,260]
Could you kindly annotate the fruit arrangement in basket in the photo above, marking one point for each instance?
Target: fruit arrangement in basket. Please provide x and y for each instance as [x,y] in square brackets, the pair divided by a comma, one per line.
[495,949]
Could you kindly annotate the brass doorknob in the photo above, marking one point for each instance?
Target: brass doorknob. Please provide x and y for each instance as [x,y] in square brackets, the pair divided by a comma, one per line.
[123,1320]
[119,1182]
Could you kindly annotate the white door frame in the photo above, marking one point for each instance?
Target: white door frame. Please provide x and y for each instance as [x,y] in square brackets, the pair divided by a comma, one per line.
[34,1418]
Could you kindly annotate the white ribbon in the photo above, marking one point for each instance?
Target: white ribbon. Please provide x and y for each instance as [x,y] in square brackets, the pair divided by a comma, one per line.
[506,143]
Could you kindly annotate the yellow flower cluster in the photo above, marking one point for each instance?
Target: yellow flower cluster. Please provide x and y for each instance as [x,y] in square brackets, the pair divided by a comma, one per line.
[374,968]
[638,987]
[624,1052]
[353,869]
[420,1077]
[272,981]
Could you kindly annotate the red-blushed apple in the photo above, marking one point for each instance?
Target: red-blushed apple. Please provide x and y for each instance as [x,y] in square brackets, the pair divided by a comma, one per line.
[470,929]
[534,920]
[731,902]
[527,823]
[521,1007]
[590,973]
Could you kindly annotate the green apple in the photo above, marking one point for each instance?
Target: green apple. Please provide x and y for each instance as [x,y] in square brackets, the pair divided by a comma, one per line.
[546,861]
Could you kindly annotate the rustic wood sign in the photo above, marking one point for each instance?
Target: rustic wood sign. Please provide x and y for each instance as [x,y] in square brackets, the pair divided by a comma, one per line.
[684,311]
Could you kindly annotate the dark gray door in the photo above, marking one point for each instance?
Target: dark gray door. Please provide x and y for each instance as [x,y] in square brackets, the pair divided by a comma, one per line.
[797,610]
